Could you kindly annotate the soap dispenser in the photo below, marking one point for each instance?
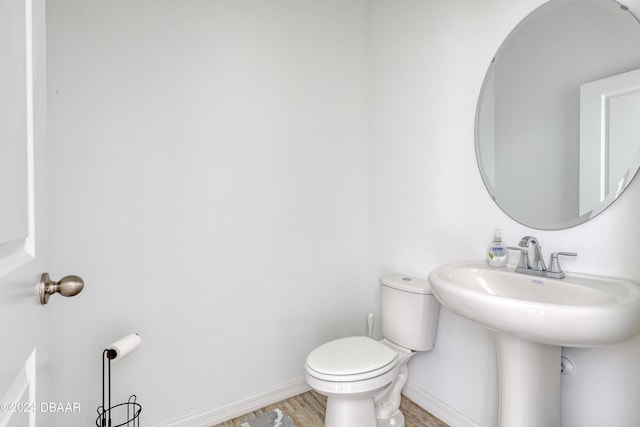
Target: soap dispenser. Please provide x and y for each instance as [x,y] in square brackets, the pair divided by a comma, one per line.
[497,253]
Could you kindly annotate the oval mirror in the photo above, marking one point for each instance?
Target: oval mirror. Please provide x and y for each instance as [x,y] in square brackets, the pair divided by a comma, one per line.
[558,119]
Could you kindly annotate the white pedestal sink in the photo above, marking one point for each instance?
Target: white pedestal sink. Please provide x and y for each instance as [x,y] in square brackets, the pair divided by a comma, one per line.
[533,318]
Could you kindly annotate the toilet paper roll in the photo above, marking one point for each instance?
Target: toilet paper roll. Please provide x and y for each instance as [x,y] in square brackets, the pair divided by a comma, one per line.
[123,347]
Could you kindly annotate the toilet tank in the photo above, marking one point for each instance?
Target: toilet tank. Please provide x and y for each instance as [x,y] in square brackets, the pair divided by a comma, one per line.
[409,312]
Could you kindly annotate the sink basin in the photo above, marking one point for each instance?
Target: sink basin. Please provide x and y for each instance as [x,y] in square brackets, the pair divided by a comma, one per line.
[577,311]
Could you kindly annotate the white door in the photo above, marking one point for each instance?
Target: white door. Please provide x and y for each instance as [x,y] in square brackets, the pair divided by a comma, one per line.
[23,320]
[609,137]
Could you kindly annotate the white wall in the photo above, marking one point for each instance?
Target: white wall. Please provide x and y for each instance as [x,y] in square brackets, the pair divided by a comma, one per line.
[209,174]
[429,205]
[209,181]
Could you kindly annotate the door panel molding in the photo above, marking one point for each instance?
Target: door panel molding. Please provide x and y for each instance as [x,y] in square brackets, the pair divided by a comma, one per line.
[17,130]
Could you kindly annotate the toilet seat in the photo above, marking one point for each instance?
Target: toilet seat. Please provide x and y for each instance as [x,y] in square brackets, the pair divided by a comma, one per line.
[351,359]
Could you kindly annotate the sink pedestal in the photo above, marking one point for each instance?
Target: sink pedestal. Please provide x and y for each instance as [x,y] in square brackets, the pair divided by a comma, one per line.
[529,382]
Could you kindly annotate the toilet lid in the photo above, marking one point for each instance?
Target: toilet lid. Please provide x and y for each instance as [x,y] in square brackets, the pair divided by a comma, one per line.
[351,359]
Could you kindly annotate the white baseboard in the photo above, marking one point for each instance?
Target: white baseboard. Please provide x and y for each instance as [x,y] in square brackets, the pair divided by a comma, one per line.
[250,403]
[438,408]
[244,405]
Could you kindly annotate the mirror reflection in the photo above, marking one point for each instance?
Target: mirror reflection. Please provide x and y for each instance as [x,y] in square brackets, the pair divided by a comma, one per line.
[557,124]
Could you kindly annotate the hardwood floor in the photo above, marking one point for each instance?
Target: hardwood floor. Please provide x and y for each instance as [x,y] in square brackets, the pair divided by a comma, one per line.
[307,410]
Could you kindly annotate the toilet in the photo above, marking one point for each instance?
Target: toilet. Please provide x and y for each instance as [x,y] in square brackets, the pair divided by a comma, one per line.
[363,378]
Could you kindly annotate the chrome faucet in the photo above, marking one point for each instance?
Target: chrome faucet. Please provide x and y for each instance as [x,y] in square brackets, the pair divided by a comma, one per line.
[538,268]
[538,260]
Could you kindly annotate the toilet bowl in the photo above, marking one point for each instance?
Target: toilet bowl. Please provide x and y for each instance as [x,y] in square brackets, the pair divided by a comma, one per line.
[355,374]
[363,378]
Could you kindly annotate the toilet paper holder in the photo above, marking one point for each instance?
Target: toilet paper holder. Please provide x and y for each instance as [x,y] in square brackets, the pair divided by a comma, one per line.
[127,413]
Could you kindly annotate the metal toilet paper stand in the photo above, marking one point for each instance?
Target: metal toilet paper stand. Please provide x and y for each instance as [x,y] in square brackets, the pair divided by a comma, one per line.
[130,410]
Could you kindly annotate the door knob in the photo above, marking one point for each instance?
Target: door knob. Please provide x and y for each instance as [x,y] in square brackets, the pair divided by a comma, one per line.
[68,286]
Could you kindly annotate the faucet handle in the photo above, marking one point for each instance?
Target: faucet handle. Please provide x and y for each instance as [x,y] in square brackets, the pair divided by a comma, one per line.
[524,257]
[554,265]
